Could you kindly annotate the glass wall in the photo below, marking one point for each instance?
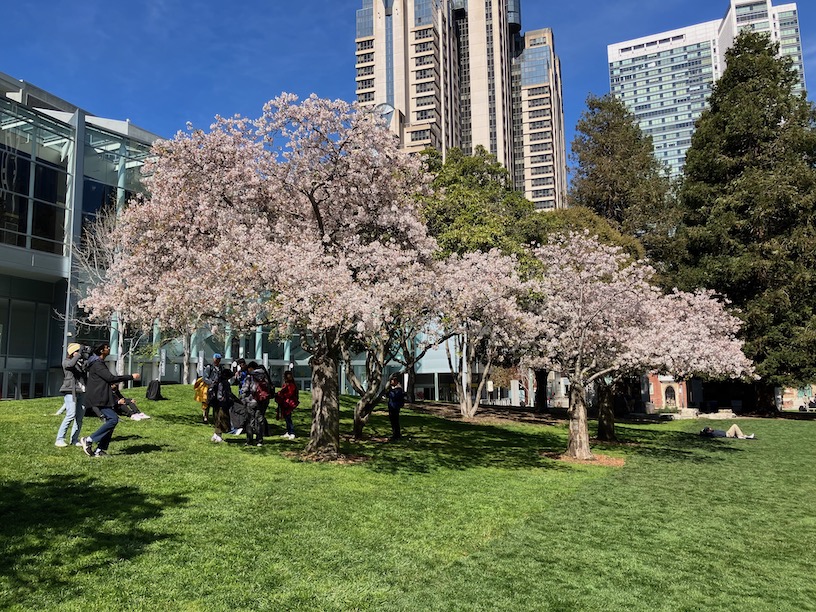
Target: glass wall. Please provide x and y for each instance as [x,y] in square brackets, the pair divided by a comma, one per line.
[112,170]
[34,178]
[27,336]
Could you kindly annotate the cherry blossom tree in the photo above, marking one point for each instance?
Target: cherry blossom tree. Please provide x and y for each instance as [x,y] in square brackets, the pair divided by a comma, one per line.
[481,314]
[599,315]
[303,219]
[403,303]
[175,249]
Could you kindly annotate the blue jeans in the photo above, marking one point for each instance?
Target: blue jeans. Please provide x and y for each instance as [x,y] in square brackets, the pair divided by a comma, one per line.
[102,436]
[74,411]
[290,428]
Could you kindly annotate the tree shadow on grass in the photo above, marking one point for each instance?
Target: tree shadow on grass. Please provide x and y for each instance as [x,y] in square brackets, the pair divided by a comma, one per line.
[671,445]
[431,443]
[64,525]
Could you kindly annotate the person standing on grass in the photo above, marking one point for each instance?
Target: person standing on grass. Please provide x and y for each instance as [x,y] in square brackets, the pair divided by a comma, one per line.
[396,400]
[209,378]
[221,399]
[255,393]
[287,400]
[100,398]
[73,390]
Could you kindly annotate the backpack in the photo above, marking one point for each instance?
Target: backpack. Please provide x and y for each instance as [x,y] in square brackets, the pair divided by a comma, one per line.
[154,391]
[262,391]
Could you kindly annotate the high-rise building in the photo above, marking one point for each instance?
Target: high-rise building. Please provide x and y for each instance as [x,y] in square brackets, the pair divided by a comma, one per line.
[459,73]
[665,79]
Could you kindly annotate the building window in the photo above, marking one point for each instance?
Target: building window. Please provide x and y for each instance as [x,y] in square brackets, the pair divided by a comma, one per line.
[420,135]
[365,97]
[543,193]
[541,146]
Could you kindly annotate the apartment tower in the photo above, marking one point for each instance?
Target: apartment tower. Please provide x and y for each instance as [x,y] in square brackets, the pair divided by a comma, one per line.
[459,73]
[665,79]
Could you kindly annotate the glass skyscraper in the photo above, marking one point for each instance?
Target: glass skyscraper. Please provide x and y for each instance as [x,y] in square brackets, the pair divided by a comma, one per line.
[665,79]
[459,73]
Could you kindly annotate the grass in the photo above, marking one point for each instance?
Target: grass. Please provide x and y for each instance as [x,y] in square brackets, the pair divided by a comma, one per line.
[460,516]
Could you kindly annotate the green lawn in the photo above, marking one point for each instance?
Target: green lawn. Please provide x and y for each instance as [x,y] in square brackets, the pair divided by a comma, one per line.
[460,516]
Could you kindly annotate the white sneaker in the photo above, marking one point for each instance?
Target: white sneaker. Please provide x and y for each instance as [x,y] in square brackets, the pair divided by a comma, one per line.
[216,438]
[61,443]
[291,436]
[285,436]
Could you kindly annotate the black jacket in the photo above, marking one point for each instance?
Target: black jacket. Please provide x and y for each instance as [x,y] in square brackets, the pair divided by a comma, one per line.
[99,393]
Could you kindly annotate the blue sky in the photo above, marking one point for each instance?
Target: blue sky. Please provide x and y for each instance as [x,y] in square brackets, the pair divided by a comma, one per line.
[161,63]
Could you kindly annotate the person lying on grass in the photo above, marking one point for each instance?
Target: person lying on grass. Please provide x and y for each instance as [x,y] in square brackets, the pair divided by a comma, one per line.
[733,432]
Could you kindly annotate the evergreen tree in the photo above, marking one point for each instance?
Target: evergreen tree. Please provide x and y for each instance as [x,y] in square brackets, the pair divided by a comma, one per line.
[473,206]
[617,176]
[749,197]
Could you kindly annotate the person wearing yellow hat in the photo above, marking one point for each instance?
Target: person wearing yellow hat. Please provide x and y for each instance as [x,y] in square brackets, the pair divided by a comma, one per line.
[73,391]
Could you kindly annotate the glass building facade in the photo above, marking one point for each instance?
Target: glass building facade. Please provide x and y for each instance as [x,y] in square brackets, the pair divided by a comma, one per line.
[450,74]
[665,79]
[58,166]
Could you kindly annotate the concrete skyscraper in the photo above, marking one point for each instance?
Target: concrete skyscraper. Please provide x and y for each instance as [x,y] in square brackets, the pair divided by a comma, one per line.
[665,79]
[459,73]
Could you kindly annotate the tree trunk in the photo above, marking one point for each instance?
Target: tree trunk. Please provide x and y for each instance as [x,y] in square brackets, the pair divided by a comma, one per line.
[185,377]
[541,390]
[578,447]
[120,362]
[364,407]
[410,386]
[606,413]
[324,439]
[370,394]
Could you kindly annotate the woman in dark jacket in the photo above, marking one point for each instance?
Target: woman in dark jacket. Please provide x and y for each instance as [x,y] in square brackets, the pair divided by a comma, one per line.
[99,397]
[255,393]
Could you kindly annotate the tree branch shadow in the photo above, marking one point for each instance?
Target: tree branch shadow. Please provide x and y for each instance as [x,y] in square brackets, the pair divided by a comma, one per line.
[75,516]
